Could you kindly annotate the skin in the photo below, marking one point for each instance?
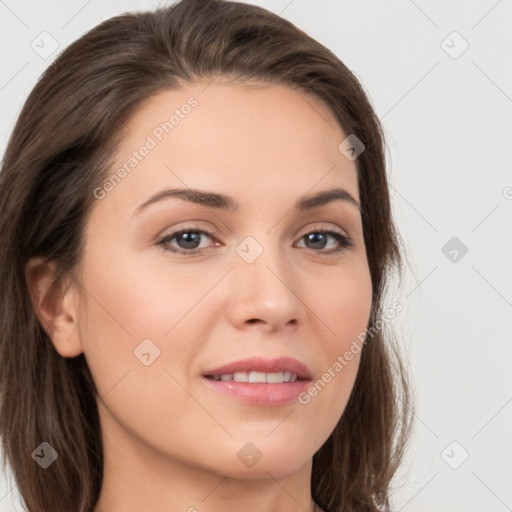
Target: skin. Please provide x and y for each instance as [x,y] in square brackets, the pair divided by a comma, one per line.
[170,442]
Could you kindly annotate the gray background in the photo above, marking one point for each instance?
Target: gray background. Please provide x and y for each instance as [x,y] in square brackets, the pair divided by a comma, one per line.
[448,120]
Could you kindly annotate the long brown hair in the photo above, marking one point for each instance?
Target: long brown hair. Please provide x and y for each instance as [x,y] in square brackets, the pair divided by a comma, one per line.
[60,151]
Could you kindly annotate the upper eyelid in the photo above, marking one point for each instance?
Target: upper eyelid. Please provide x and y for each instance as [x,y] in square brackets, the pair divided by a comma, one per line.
[214,232]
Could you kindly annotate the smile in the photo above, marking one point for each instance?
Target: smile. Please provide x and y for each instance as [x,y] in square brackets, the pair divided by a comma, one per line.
[257,377]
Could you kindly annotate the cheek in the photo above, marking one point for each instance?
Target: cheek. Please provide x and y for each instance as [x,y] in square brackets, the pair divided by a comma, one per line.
[345,309]
[130,322]
[344,306]
[130,300]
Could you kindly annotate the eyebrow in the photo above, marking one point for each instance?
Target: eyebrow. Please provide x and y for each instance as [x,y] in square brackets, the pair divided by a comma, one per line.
[229,204]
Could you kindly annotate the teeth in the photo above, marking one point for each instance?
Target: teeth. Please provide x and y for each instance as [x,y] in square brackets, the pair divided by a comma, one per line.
[258,377]
[274,378]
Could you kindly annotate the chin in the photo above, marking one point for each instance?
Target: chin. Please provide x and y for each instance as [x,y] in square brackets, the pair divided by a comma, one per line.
[258,459]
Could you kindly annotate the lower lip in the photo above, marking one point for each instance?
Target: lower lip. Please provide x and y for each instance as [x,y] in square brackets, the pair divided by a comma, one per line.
[260,393]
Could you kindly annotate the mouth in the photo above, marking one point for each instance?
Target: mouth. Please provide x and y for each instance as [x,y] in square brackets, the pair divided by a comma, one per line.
[260,381]
[257,377]
[261,370]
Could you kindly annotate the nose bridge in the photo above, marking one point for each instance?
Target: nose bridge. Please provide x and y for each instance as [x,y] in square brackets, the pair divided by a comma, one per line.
[261,256]
[265,282]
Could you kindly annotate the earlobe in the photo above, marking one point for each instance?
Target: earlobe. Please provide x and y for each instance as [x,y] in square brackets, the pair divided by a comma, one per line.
[55,305]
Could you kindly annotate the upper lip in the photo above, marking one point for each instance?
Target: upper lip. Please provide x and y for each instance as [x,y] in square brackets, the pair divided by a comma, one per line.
[262,364]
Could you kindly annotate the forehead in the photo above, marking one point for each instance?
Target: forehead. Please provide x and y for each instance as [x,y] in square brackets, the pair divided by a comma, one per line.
[239,139]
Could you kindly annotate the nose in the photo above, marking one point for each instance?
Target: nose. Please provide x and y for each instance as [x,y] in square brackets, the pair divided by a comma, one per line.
[266,293]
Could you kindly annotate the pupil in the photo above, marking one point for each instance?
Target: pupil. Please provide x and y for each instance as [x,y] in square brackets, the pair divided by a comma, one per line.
[314,237]
[189,238]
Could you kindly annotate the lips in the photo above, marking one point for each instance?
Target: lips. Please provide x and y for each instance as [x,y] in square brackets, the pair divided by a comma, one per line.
[262,365]
[259,381]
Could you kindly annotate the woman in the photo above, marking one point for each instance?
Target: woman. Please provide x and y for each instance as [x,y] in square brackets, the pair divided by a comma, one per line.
[197,240]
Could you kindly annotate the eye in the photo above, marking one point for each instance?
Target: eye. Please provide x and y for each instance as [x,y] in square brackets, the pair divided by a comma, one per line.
[189,241]
[319,238]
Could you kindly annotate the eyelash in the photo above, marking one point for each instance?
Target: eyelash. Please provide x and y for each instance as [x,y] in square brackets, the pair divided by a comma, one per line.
[344,241]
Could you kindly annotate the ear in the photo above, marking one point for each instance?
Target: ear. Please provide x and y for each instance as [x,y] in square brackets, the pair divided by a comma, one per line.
[55,305]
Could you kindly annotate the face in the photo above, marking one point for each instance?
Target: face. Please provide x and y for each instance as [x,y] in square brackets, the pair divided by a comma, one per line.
[266,280]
